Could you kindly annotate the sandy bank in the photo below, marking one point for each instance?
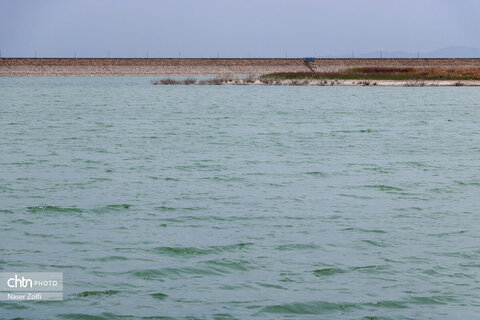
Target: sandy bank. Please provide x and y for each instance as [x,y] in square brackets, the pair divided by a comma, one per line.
[363,83]
[316,82]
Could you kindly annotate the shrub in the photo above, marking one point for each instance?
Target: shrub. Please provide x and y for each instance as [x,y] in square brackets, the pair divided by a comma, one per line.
[216,81]
[189,81]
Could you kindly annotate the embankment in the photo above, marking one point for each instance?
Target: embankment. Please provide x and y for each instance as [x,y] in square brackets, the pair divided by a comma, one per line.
[204,66]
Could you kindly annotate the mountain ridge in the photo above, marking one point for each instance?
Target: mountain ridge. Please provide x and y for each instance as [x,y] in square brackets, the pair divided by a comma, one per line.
[446,52]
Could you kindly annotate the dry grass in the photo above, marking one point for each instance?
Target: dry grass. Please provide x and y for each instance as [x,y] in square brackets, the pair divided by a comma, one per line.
[250,79]
[415,83]
[167,81]
[170,81]
[189,81]
[216,81]
[387,73]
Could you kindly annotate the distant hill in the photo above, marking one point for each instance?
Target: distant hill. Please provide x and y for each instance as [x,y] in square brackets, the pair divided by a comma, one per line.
[455,52]
[447,52]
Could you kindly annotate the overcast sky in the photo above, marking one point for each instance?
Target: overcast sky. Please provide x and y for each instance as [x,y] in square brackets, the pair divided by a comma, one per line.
[233,28]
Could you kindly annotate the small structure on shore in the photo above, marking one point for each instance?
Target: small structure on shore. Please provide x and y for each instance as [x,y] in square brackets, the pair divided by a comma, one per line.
[307,61]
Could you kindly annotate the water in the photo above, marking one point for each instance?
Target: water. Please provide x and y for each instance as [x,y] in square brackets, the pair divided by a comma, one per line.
[241,202]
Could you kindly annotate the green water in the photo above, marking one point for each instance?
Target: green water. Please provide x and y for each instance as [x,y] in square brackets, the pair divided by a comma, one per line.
[222,202]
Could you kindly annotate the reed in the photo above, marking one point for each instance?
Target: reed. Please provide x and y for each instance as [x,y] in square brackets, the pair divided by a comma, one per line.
[170,81]
[216,81]
[386,73]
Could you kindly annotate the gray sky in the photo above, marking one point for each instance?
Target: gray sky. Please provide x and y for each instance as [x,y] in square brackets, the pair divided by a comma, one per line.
[235,28]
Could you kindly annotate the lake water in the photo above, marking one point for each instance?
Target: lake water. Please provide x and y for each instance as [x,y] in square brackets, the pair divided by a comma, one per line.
[249,202]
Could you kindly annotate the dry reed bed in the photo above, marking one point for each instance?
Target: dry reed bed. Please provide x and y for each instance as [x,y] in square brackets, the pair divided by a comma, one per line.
[386,73]
[312,82]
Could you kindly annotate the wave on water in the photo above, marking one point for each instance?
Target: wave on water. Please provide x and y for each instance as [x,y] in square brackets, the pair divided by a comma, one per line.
[59,209]
[317,173]
[358,131]
[194,251]
[159,295]
[313,308]
[323,307]
[364,230]
[336,270]
[297,246]
[97,293]
[47,209]
[223,265]
[105,316]
[328,271]
[375,243]
[175,273]
[111,208]
[109,258]
[382,187]
[165,208]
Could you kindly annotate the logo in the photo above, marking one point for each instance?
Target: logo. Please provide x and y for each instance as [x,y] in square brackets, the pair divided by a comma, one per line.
[19,283]
[31,286]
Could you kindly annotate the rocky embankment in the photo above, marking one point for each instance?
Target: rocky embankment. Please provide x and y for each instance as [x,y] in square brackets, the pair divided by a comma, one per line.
[197,67]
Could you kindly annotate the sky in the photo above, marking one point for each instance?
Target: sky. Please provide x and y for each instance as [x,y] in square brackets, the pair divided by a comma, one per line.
[233,28]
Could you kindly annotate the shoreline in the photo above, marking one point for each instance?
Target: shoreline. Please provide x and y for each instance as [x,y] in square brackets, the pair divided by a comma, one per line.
[155,67]
[372,83]
[319,82]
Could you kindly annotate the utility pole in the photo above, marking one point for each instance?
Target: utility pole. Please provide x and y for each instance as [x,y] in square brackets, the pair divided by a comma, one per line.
[35,53]
[418,55]
[108,54]
[381,54]
[0,53]
[75,54]
[218,54]
[286,54]
[353,54]
[179,53]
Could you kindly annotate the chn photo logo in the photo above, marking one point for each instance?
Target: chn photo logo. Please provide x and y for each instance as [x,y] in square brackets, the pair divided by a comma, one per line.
[17,282]
[24,286]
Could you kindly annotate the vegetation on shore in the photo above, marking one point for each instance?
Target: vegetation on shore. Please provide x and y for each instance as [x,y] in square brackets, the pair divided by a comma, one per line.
[171,81]
[191,81]
[384,73]
[210,81]
[366,76]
